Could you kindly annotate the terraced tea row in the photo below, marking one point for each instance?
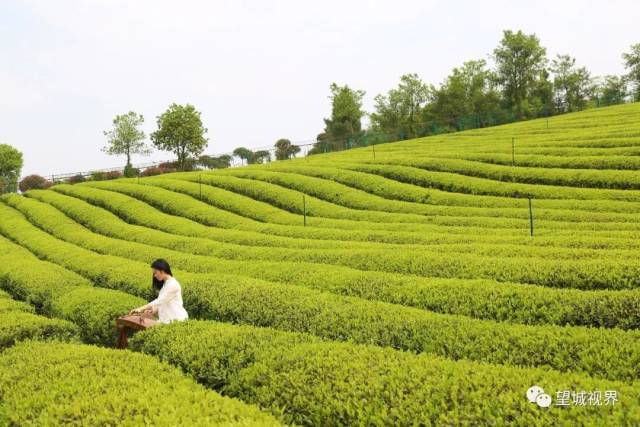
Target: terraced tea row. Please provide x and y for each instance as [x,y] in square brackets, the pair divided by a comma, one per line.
[527,303]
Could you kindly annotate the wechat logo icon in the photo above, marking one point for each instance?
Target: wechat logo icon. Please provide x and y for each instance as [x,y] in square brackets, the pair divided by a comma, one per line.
[536,395]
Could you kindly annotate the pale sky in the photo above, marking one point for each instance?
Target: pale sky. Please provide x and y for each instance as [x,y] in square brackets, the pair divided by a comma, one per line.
[257,70]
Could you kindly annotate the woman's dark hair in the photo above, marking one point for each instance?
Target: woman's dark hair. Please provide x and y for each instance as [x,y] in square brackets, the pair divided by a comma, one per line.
[161,265]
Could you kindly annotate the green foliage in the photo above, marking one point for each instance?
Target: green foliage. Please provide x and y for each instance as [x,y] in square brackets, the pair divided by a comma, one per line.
[309,382]
[243,153]
[97,176]
[10,167]
[528,304]
[57,292]
[520,59]
[239,300]
[573,86]
[345,121]
[18,322]
[219,162]
[86,385]
[468,92]
[126,137]
[611,90]
[413,292]
[285,149]
[400,112]
[632,64]
[181,132]
[260,156]
[76,179]
[130,171]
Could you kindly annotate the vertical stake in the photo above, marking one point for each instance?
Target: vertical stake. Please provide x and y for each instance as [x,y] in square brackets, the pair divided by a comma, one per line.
[373,147]
[304,210]
[513,152]
[530,216]
[200,186]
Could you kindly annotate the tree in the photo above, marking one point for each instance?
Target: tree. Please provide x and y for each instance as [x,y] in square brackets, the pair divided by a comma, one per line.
[611,90]
[33,182]
[285,149]
[542,99]
[632,63]
[125,137]
[468,98]
[572,86]
[10,167]
[519,60]
[180,131]
[220,162]
[244,154]
[400,112]
[346,115]
[260,156]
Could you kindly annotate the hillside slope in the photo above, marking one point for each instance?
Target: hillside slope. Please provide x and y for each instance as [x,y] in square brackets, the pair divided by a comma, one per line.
[432,280]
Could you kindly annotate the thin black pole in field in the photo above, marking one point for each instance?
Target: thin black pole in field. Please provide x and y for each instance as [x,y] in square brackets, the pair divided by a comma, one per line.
[530,216]
[200,180]
[373,147]
[304,210]
[513,151]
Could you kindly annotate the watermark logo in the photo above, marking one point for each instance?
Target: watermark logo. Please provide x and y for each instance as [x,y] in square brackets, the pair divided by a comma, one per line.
[535,394]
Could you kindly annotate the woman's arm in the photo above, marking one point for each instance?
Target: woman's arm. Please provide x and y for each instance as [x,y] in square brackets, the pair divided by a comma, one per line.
[168,292]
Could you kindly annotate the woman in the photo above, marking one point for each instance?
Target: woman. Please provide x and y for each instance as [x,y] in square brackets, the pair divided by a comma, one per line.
[168,305]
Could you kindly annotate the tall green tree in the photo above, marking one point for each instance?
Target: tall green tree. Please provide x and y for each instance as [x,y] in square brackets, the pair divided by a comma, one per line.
[10,167]
[126,137]
[181,132]
[345,122]
[210,162]
[285,149]
[467,98]
[519,59]
[400,112]
[573,86]
[632,64]
[244,154]
[611,90]
[260,156]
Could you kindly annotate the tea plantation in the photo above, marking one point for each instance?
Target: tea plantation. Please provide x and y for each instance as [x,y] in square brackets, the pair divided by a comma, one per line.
[424,282]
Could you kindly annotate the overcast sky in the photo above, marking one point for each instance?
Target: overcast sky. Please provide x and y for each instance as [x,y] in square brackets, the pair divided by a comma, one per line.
[257,70]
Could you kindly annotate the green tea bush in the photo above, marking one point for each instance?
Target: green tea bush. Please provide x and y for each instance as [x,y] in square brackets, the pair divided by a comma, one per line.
[57,292]
[484,299]
[18,322]
[70,384]
[310,382]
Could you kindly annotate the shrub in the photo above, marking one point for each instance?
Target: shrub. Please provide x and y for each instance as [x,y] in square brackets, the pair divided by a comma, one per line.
[86,385]
[33,182]
[19,325]
[151,171]
[18,322]
[310,382]
[57,292]
[97,176]
[112,175]
[76,179]
[527,303]
[130,171]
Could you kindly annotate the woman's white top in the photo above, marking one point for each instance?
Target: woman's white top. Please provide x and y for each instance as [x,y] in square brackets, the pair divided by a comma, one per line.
[169,302]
